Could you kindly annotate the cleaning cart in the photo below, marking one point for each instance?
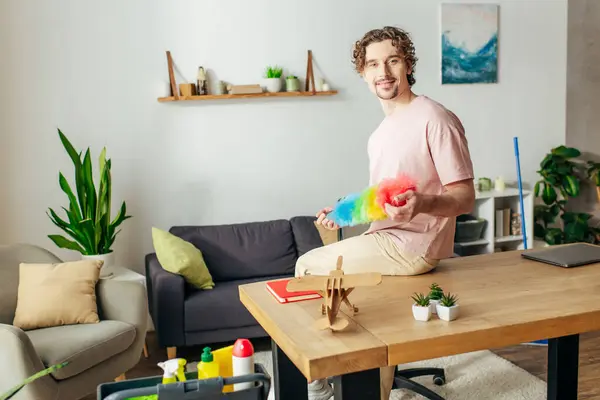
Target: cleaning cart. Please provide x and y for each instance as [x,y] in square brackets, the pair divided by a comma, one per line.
[193,389]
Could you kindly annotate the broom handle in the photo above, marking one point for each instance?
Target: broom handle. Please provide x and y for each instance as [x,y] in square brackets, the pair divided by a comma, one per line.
[523,227]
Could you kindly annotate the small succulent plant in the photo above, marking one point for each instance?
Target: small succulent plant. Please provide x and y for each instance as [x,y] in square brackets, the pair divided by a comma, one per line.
[436,292]
[420,299]
[273,72]
[448,300]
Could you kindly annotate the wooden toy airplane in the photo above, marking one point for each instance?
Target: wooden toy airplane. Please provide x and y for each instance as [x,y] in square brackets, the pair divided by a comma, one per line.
[335,289]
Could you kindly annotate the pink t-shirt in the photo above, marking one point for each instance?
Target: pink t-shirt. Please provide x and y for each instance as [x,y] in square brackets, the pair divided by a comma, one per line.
[427,142]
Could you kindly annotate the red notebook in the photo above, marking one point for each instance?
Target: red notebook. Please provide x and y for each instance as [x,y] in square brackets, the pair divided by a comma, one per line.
[279,291]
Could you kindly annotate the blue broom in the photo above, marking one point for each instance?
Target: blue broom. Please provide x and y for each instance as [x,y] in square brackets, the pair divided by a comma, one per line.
[523,227]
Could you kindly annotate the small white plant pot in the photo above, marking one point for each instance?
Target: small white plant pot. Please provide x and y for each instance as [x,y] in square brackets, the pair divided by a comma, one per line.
[421,313]
[448,313]
[433,304]
[273,85]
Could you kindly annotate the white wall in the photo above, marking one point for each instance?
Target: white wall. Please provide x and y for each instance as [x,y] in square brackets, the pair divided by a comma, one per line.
[94,69]
[583,86]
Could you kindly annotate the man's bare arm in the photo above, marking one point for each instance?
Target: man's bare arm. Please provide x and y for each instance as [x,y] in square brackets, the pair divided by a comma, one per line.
[459,198]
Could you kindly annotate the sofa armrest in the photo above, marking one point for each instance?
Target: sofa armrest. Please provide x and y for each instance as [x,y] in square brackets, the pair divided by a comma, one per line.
[20,361]
[166,293]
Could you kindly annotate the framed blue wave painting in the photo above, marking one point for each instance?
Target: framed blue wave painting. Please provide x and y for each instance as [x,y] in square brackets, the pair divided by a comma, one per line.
[469,43]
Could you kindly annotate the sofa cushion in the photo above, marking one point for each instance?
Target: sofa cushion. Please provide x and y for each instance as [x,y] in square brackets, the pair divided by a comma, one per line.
[83,346]
[245,250]
[182,258]
[306,234]
[219,308]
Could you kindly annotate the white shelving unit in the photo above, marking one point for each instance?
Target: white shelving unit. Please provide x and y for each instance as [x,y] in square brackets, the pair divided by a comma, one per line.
[486,205]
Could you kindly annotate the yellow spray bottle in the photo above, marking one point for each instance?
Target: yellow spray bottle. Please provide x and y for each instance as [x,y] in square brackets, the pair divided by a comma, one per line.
[173,370]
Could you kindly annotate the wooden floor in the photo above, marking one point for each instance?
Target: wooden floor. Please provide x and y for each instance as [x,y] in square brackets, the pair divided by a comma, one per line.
[534,360]
[531,358]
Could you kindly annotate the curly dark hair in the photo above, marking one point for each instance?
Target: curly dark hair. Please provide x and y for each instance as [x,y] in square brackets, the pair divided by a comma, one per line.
[400,39]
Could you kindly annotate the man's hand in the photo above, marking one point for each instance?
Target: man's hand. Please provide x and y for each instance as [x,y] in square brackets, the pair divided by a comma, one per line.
[458,198]
[414,205]
[322,219]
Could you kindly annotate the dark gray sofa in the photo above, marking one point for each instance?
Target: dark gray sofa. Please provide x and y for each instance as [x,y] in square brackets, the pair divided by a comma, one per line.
[235,254]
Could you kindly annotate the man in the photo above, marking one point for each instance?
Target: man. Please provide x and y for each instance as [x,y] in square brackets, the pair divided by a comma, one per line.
[418,137]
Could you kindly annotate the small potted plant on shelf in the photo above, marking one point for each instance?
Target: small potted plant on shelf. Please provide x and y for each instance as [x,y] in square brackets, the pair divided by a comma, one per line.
[292,84]
[273,79]
[420,308]
[448,307]
[435,294]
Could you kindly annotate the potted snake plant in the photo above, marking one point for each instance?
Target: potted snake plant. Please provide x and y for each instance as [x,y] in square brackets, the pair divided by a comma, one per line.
[89,224]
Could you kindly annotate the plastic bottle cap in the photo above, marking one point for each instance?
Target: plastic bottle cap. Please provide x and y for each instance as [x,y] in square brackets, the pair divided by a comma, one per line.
[206,355]
[242,348]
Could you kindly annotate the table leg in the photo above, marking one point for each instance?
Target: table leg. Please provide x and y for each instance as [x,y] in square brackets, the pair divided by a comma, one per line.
[357,386]
[563,367]
[288,381]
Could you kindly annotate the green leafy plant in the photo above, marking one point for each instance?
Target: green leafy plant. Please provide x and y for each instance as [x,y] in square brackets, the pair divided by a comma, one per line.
[561,178]
[292,77]
[273,72]
[448,300]
[88,220]
[593,173]
[435,292]
[420,299]
[15,389]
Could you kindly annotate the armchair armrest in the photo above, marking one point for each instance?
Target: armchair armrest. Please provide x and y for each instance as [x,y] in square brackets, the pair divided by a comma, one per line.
[123,301]
[166,293]
[20,361]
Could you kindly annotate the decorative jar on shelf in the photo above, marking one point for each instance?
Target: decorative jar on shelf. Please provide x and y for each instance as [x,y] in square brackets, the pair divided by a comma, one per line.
[292,84]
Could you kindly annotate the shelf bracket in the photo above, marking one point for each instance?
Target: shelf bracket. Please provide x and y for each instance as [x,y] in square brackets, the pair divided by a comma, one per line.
[175,92]
[310,77]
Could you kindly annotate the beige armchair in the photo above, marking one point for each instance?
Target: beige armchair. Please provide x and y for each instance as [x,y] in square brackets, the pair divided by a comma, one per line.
[96,353]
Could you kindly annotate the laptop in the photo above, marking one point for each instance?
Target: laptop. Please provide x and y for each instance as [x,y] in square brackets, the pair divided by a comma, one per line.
[566,256]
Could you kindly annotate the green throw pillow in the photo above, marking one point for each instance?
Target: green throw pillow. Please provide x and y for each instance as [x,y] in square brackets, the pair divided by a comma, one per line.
[182,258]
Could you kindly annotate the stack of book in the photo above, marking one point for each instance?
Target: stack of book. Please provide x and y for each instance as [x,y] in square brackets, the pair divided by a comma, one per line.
[278,289]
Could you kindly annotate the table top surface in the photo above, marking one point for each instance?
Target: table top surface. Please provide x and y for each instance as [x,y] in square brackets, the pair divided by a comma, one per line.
[504,300]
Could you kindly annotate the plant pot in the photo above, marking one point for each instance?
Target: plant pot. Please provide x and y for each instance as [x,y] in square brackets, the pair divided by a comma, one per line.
[433,305]
[292,85]
[448,313]
[273,85]
[421,313]
[109,261]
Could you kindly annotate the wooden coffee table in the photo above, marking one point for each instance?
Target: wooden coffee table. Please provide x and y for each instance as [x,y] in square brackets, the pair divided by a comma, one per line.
[504,299]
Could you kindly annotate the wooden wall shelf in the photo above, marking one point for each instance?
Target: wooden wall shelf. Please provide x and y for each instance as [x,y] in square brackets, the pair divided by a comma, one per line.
[247,96]
[308,92]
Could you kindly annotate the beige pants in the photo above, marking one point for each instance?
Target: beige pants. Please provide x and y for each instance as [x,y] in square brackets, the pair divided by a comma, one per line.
[375,252]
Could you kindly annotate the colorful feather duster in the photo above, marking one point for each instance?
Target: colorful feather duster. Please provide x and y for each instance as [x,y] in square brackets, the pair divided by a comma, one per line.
[369,205]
